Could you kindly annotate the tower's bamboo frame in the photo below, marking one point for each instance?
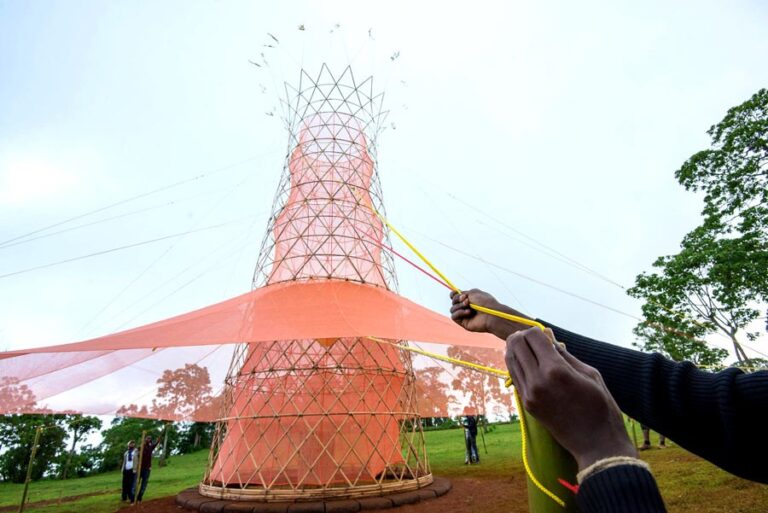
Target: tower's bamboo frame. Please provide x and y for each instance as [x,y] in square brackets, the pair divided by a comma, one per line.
[351,395]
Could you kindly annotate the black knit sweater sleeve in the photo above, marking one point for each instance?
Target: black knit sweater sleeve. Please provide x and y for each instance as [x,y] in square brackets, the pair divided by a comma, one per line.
[624,488]
[717,416]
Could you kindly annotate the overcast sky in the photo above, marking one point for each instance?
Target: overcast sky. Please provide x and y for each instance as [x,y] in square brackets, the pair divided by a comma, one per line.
[564,121]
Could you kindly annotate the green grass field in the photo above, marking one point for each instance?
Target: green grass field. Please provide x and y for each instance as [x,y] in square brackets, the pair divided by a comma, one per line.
[182,472]
[688,483]
[446,454]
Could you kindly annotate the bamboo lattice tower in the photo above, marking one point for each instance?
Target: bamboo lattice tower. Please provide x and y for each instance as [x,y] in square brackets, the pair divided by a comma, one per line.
[322,418]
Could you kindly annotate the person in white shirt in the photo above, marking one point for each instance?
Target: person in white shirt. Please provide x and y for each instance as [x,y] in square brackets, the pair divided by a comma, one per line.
[130,463]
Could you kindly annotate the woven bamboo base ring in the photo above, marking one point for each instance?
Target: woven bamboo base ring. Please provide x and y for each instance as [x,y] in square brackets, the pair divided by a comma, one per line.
[191,499]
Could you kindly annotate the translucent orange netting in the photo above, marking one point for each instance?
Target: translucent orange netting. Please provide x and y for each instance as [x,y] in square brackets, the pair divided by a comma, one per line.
[302,395]
[101,375]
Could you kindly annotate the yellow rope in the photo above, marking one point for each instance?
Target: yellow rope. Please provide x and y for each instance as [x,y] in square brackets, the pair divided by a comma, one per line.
[476,366]
[413,248]
[510,317]
[508,381]
[504,315]
[506,376]
[524,450]
[490,311]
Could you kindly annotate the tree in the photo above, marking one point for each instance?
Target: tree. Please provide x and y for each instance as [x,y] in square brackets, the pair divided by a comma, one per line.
[718,280]
[17,434]
[480,388]
[85,462]
[733,173]
[132,410]
[182,392]
[116,438]
[194,436]
[14,396]
[209,409]
[703,289]
[79,427]
[505,402]
[432,393]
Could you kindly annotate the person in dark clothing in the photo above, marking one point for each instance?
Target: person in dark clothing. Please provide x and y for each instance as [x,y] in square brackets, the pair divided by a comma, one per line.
[568,386]
[470,439]
[709,414]
[130,462]
[146,464]
[647,439]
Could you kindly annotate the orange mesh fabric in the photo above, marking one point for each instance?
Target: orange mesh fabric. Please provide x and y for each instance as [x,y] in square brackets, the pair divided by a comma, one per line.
[329,408]
[175,383]
[285,311]
[102,375]
[326,229]
[302,397]
[330,422]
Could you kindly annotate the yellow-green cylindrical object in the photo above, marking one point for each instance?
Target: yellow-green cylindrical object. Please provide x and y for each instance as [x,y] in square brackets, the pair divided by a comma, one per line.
[548,461]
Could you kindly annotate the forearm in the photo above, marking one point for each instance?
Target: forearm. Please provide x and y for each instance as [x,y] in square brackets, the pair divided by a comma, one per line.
[626,488]
[712,415]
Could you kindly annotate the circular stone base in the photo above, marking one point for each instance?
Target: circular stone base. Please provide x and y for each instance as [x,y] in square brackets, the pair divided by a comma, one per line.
[192,500]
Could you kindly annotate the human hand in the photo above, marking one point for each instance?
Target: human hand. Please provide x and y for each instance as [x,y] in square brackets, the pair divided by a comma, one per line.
[567,396]
[472,320]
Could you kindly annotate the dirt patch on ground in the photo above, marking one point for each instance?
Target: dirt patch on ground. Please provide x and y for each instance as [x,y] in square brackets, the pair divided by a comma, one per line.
[468,495]
[166,504]
[508,495]
[39,504]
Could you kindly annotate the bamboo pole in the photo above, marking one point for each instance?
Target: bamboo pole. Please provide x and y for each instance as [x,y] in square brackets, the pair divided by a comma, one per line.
[485,419]
[548,462]
[137,486]
[38,432]
[482,435]
[162,462]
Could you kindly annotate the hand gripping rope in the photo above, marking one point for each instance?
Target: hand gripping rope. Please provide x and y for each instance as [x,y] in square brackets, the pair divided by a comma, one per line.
[481,368]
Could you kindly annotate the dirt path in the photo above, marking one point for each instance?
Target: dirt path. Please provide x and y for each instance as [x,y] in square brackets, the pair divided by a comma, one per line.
[485,495]
[71,498]
[468,495]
